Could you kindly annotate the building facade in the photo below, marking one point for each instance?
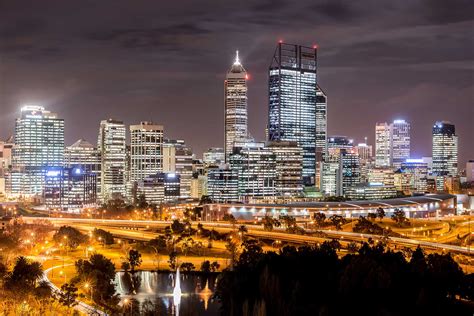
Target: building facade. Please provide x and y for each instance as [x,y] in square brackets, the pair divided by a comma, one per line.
[39,145]
[445,152]
[292,102]
[382,145]
[399,142]
[235,101]
[223,184]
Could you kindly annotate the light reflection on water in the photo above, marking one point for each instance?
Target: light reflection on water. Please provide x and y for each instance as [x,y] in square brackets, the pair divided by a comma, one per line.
[156,289]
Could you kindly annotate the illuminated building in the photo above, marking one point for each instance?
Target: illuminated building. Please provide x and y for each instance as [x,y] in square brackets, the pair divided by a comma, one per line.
[381,175]
[178,158]
[445,152]
[214,156]
[70,189]
[223,184]
[321,123]
[198,186]
[160,187]
[371,191]
[382,145]
[364,151]
[235,94]
[39,145]
[6,151]
[256,167]
[470,171]
[113,152]
[146,150]
[288,169]
[292,102]
[399,142]
[349,171]
[419,171]
[84,155]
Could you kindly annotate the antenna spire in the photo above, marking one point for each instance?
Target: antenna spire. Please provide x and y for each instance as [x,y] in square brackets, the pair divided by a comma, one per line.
[237,60]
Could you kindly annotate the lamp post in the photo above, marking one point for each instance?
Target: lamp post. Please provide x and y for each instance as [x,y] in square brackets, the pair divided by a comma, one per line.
[87,286]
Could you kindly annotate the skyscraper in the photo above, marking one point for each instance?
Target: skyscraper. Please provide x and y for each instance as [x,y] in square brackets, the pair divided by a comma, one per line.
[146,150]
[445,152]
[382,145]
[292,102]
[321,123]
[112,148]
[178,158]
[399,142]
[39,145]
[235,94]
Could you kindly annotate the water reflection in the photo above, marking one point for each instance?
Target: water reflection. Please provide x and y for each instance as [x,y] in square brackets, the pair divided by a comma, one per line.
[153,292]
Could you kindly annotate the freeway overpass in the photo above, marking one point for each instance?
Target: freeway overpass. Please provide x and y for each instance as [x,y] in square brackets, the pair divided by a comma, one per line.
[138,230]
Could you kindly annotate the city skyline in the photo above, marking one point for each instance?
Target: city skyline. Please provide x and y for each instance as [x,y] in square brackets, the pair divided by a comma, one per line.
[129,67]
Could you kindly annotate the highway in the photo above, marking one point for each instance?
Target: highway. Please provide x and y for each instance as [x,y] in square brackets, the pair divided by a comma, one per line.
[133,229]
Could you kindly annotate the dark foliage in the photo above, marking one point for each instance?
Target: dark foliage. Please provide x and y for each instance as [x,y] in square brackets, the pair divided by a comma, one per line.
[314,281]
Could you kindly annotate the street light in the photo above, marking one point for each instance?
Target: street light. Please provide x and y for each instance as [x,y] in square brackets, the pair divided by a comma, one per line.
[87,286]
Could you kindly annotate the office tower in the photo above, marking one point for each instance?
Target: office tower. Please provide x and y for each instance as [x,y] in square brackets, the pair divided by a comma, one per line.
[365,152]
[235,94]
[84,155]
[371,191]
[289,168]
[292,102]
[445,152]
[349,171]
[178,158]
[321,123]
[6,152]
[329,178]
[470,171]
[146,150]
[223,184]
[419,171]
[198,185]
[70,189]
[113,152]
[382,145]
[159,188]
[39,145]
[381,175]
[399,142]
[256,168]
[340,142]
[214,156]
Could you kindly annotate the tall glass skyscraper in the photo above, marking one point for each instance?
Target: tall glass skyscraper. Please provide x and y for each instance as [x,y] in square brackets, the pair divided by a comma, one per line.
[321,124]
[399,142]
[39,145]
[382,145]
[445,152]
[292,102]
[113,151]
[235,90]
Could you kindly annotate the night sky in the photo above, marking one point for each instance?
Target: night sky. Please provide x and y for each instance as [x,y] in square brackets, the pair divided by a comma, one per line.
[165,61]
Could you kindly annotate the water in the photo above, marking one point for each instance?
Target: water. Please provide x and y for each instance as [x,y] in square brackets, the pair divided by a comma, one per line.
[154,291]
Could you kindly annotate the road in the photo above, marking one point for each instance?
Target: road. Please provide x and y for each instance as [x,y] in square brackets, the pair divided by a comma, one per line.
[134,229]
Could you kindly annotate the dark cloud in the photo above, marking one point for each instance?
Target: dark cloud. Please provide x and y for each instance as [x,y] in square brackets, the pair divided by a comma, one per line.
[166,61]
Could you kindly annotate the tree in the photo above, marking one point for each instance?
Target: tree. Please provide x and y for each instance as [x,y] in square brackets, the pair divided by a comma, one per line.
[372,216]
[319,218]
[215,266]
[100,271]
[24,275]
[365,226]
[232,248]
[242,231]
[206,266]
[337,221]
[229,218]
[134,259]
[352,247]
[187,266]
[400,218]
[173,260]
[380,213]
[106,237]
[69,236]
[268,223]
[68,295]
[288,221]
[251,253]
[177,227]
[125,266]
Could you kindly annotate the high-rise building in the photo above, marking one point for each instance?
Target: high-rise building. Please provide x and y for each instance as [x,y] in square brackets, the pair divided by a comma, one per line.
[146,150]
[399,142]
[470,171]
[70,189]
[214,156]
[292,102]
[445,152]
[349,171]
[382,145]
[39,145]
[235,94]
[6,152]
[321,123]
[419,171]
[159,188]
[289,168]
[365,152]
[84,155]
[178,158]
[113,151]
[256,169]
[223,184]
